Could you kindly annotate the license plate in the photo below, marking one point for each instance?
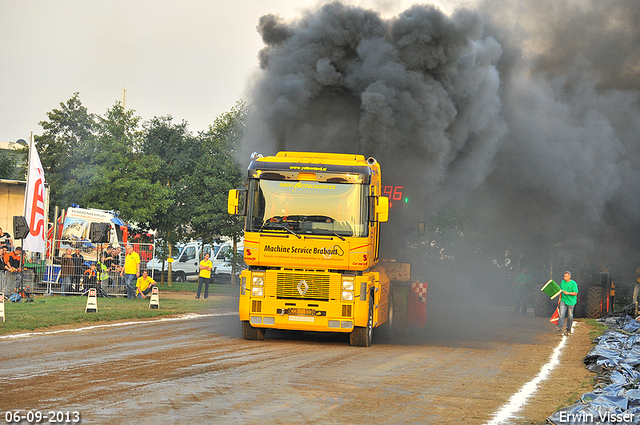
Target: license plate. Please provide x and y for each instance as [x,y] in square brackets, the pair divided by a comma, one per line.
[301,312]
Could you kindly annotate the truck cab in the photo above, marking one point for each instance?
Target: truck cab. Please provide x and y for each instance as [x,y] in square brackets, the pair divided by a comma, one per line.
[311,241]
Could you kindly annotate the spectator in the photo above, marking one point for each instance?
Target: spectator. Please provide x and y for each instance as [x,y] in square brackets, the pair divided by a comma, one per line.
[523,282]
[14,267]
[90,277]
[117,256]
[103,274]
[112,266]
[3,282]
[66,272]
[144,285]
[5,239]
[131,271]
[78,260]
[206,266]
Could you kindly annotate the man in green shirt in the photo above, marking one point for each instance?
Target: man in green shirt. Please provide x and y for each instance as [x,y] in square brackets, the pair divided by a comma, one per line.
[568,300]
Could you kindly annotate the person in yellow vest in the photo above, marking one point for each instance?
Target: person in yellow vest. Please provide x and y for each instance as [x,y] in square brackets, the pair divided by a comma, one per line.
[103,272]
[144,285]
[131,271]
[206,266]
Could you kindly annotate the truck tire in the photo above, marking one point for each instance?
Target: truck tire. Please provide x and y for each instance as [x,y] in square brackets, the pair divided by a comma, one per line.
[361,336]
[596,307]
[542,306]
[251,333]
[385,332]
[179,277]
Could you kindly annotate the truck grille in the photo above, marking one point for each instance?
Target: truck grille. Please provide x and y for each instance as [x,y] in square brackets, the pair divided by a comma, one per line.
[317,286]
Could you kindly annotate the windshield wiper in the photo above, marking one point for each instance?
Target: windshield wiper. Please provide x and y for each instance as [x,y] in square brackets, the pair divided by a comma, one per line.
[335,234]
[279,226]
[291,231]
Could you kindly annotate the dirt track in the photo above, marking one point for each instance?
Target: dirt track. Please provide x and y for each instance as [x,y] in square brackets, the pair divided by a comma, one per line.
[200,370]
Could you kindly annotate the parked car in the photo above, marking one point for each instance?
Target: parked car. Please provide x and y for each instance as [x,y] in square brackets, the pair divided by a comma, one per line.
[222,271]
[186,261]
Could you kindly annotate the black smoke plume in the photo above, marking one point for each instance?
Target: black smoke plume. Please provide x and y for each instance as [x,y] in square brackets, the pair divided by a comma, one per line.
[525,112]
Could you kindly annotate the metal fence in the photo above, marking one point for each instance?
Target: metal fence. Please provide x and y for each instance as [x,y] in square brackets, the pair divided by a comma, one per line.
[50,278]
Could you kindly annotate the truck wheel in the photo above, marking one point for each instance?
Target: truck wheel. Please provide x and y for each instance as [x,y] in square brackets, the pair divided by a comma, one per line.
[251,333]
[361,336]
[386,330]
[542,306]
[180,277]
[594,302]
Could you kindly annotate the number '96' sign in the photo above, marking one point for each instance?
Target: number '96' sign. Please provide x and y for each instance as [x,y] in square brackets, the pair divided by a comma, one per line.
[394,193]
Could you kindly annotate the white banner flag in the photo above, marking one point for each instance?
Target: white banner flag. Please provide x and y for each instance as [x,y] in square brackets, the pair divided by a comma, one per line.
[34,206]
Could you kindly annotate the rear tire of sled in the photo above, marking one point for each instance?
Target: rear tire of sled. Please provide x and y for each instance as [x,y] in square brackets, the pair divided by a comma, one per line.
[542,306]
[595,306]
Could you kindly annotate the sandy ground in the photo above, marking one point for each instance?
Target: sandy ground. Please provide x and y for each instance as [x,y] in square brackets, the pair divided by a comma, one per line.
[461,369]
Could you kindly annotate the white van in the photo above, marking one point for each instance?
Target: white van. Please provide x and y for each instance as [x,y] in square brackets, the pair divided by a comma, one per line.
[222,265]
[186,261]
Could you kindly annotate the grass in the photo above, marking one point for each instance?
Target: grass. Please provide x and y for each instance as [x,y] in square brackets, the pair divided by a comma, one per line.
[595,328]
[48,311]
[214,288]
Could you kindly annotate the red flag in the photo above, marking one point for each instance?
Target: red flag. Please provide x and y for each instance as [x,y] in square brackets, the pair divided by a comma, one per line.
[556,316]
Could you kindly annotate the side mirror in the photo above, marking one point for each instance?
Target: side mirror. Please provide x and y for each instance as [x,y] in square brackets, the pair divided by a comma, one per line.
[233,202]
[382,209]
[236,204]
[378,209]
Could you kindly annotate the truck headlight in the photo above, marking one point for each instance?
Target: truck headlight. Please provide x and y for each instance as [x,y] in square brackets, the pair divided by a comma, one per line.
[347,284]
[257,291]
[258,280]
[347,296]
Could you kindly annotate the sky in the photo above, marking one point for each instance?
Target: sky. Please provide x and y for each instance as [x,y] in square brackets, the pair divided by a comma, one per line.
[191,59]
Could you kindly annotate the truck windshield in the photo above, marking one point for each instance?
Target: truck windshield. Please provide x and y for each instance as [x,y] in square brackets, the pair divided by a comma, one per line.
[307,207]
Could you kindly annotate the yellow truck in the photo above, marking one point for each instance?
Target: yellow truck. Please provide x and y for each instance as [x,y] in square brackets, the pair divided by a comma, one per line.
[311,244]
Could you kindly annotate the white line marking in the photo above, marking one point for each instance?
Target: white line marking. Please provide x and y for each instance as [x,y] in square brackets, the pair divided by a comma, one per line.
[519,399]
[189,316]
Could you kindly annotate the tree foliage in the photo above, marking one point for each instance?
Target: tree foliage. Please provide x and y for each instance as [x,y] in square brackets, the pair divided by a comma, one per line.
[215,173]
[116,174]
[62,148]
[157,175]
[9,166]
[173,146]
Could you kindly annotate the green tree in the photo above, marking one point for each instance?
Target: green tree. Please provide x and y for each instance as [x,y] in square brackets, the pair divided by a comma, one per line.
[63,147]
[9,166]
[216,172]
[117,175]
[176,150]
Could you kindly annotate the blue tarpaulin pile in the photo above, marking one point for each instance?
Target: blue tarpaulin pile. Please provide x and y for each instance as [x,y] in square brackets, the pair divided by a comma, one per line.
[615,398]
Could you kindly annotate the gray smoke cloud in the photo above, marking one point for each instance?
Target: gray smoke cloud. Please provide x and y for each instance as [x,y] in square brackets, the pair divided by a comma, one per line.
[526,111]
[568,164]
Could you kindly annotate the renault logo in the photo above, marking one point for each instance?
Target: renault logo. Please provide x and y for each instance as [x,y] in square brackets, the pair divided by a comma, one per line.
[303,287]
